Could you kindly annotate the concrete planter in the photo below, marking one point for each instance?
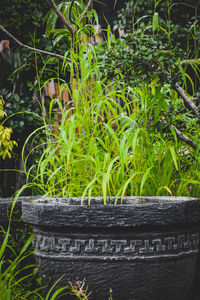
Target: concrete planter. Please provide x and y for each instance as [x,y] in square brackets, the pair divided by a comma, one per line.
[146,248]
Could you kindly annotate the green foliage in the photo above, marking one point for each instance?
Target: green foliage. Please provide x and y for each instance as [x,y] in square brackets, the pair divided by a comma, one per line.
[21,114]
[175,25]
[72,14]
[111,140]
[12,277]
[133,79]
[14,272]
[175,16]
[22,16]
[140,58]
[6,144]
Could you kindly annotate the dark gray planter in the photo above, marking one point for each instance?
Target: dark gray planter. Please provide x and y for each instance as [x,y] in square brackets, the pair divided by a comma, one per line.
[146,248]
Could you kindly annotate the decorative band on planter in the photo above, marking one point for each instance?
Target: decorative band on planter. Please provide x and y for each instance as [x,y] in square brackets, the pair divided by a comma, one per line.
[146,248]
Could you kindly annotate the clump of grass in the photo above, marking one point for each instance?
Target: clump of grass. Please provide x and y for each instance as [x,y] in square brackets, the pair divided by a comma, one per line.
[108,142]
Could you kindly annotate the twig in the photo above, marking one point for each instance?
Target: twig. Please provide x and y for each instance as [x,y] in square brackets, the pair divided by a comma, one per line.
[181,136]
[31,48]
[62,18]
[189,104]
[85,11]
[187,101]
[190,61]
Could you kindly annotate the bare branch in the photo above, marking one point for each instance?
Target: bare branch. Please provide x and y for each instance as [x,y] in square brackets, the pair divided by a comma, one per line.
[181,136]
[85,11]
[62,18]
[187,101]
[190,61]
[32,49]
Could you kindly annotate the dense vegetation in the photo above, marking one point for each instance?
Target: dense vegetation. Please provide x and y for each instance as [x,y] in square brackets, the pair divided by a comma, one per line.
[130,125]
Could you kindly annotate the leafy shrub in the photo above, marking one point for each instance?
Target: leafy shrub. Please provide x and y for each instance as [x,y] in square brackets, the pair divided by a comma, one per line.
[174,24]
[140,58]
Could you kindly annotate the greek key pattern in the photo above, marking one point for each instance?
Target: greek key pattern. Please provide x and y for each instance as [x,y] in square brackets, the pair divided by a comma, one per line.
[124,248]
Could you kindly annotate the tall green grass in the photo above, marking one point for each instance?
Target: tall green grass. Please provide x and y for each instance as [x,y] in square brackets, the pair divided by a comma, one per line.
[108,142]
[111,140]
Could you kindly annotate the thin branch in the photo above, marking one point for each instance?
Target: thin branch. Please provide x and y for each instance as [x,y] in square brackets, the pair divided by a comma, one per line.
[181,136]
[187,101]
[31,48]
[190,61]
[189,104]
[62,18]
[85,11]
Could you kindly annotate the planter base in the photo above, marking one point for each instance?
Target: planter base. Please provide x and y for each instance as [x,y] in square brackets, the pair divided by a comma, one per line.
[145,249]
[136,266]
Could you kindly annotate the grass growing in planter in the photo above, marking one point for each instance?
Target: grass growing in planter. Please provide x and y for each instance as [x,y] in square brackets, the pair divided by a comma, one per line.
[108,141]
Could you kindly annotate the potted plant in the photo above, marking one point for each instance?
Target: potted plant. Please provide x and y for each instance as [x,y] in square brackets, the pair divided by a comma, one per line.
[95,171]
[114,242]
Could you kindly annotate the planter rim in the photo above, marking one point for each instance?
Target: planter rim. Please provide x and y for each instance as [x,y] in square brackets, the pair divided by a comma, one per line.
[68,212]
[110,201]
